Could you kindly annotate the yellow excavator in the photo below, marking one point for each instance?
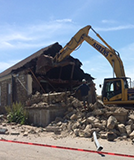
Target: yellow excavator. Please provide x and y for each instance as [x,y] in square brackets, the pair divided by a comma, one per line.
[115,90]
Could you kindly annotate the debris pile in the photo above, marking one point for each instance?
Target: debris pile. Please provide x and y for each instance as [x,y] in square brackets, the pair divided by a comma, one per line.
[108,122]
[38,99]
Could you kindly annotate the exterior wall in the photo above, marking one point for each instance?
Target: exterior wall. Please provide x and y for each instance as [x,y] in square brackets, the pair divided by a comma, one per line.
[20,88]
[14,88]
[41,117]
[6,97]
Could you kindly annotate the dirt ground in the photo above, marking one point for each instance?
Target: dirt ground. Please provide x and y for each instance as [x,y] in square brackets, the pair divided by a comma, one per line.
[13,151]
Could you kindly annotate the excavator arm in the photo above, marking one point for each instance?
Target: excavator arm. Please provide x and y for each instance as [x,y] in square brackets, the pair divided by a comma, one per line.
[108,52]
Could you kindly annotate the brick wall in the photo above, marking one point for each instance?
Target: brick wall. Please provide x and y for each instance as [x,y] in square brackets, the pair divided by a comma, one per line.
[6,95]
[20,85]
[13,89]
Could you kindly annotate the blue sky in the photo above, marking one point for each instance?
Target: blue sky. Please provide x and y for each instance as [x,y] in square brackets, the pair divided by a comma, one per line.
[29,25]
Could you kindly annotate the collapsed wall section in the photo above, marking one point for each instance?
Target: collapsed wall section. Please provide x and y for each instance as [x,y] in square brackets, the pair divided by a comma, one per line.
[44,76]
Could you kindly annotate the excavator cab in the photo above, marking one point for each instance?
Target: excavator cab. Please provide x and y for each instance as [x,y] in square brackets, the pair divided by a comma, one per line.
[115,91]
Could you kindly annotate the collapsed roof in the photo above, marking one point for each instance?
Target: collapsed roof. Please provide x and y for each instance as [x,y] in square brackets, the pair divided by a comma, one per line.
[65,75]
[52,49]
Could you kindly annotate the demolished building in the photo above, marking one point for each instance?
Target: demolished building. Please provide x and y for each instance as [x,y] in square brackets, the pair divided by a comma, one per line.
[36,73]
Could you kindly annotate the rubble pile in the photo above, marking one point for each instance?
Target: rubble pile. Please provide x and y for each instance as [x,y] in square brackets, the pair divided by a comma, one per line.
[109,122]
[47,99]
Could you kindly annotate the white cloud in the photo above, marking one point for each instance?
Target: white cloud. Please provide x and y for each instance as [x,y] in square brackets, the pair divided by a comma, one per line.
[120,27]
[64,20]
[16,36]
[33,35]
[37,35]
[4,44]
[109,21]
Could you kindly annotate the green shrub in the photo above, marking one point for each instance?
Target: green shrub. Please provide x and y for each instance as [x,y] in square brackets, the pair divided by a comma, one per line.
[17,113]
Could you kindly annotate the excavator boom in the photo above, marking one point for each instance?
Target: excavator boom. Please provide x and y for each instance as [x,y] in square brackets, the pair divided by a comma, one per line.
[75,41]
[107,52]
